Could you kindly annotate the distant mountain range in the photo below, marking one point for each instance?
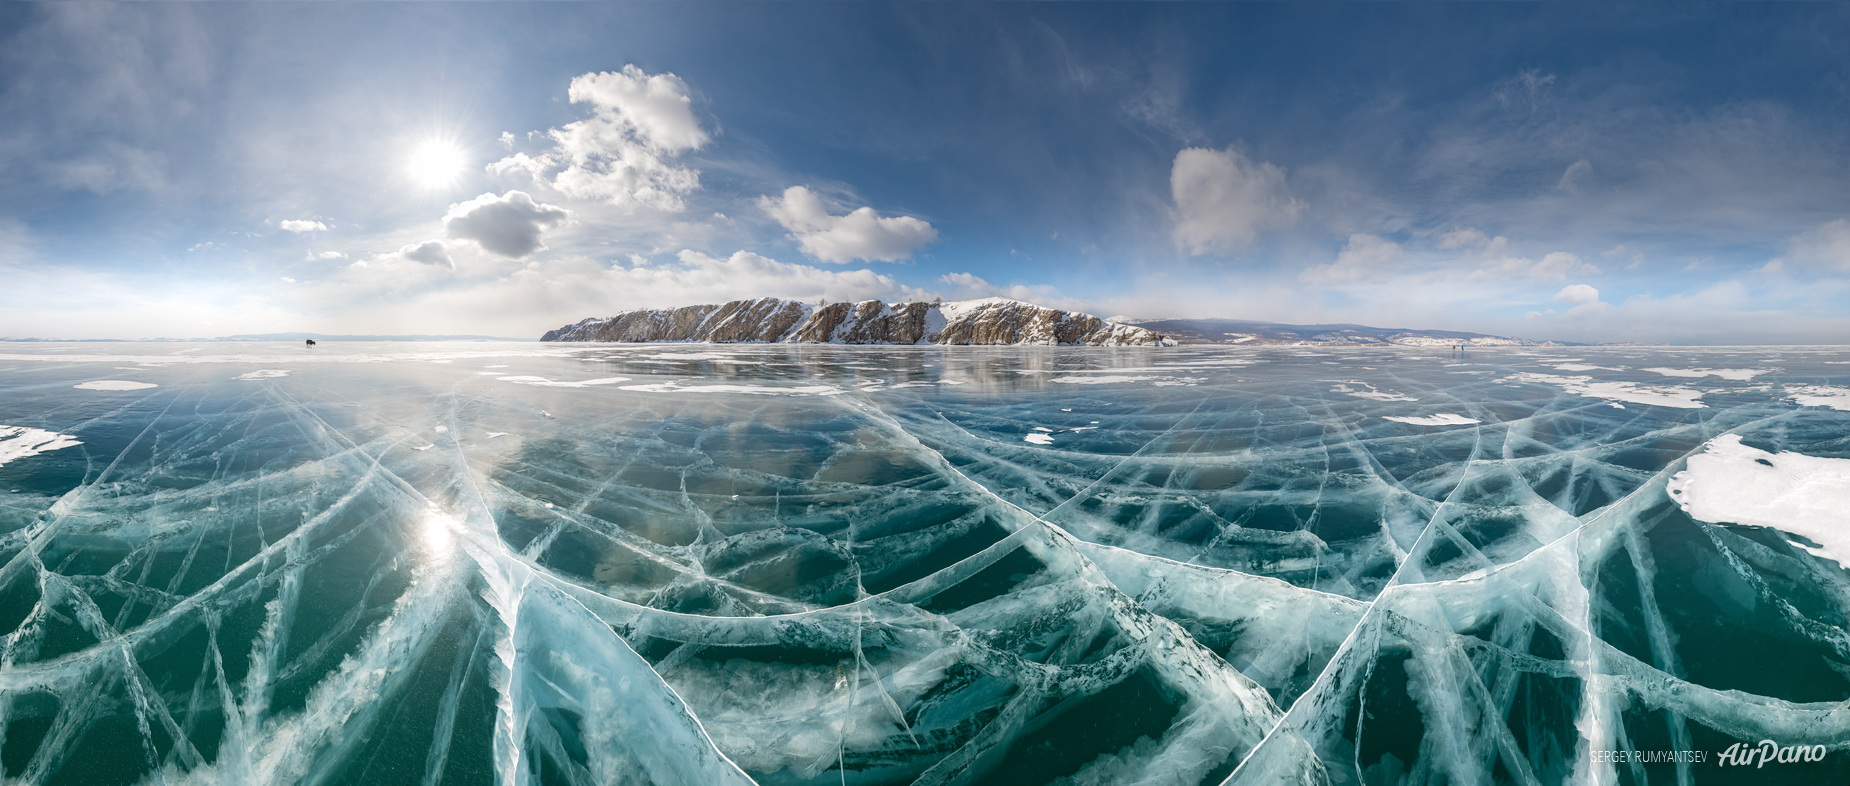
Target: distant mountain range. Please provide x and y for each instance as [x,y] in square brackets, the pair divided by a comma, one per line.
[1245,333]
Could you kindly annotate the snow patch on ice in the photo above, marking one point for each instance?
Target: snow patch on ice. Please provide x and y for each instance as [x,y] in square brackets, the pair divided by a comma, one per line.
[1820,396]
[1371,393]
[1736,374]
[1442,419]
[1680,398]
[761,390]
[1732,483]
[17,442]
[551,383]
[263,373]
[1099,380]
[114,384]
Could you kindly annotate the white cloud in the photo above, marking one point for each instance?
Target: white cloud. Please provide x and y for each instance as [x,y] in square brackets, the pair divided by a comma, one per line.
[1826,248]
[620,154]
[509,225]
[965,281]
[1558,265]
[288,280]
[969,286]
[429,252]
[552,291]
[507,139]
[861,234]
[328,255]
[111,167]
[1577,294]
[1555,266]
[300,226]
[656,108]
[1577,174]
[1223,199]
[1365,256]
[1529,86]
[1466,237]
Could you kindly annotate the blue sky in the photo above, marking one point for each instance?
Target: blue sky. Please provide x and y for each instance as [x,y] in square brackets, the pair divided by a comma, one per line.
[1657,172]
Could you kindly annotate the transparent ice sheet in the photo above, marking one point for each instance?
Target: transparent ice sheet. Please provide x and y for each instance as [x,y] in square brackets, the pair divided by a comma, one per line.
[379,563]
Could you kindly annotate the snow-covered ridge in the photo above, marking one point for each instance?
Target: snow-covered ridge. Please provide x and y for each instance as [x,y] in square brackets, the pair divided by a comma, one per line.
[995,320]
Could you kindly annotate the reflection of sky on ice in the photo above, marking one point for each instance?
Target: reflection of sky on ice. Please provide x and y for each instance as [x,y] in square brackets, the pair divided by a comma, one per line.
[797,564]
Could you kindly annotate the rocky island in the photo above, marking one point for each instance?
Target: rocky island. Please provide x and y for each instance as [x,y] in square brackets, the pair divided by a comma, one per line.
[995,320]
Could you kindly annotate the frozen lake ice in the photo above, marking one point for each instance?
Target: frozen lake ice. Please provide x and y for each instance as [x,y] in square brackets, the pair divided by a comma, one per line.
[505,563]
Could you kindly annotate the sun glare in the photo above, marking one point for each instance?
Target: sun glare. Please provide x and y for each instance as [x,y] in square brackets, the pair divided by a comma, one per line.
[435,164]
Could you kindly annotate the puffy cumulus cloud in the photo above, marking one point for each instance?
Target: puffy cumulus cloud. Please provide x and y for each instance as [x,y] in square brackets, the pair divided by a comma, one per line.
[1363,257]
[655,108]
[509,225]
[861,234]
[429,252]
[1577,294]
[1223,199]
[412,267]
[621,153]
[1825,249]
[299,226]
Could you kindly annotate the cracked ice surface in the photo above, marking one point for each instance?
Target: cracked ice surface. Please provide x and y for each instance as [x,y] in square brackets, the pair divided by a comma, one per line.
[888,565]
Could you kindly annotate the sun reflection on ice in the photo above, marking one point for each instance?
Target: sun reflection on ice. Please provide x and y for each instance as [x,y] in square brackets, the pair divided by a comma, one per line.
[435,531]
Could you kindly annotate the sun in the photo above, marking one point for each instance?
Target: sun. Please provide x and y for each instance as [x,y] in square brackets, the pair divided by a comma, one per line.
[435,164]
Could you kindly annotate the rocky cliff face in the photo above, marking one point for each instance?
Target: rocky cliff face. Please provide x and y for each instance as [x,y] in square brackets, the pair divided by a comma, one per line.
[770,320]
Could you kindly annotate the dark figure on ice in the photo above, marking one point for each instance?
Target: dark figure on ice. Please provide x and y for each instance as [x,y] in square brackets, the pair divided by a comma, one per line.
[311,342]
